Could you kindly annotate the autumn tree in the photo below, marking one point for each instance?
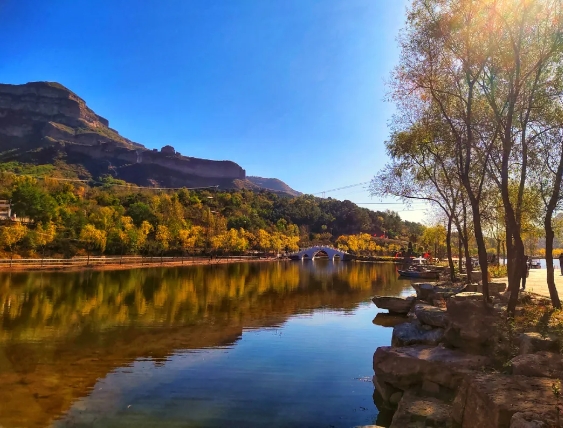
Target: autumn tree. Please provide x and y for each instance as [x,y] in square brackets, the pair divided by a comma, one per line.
[43,235]
[10,236]
[93,239]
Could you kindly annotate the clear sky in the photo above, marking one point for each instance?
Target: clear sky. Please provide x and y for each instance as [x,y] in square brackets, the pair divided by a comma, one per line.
[292,89]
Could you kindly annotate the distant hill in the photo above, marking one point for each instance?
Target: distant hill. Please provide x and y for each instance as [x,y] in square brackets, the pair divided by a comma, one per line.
[273,184]
[46,123]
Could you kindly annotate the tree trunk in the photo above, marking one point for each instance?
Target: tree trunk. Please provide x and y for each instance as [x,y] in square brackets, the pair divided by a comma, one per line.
[549,234]
[449,249]
[481,247]
[459,250]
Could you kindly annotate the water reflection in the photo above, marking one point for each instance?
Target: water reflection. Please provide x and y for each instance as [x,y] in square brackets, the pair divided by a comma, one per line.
[64,336]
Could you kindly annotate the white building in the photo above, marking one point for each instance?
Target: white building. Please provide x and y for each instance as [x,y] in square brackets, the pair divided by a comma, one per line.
[5,209]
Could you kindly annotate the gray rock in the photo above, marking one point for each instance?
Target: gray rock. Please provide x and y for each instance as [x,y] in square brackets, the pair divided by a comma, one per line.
[541,364]
[397,305]
[534,342]
[431,315]
[409,367]
[489,400]
[415,411]
[412,333]
[424,290]
[468,295]
[527,420]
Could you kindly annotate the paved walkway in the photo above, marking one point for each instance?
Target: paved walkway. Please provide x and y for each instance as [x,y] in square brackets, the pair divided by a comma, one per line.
[537,282]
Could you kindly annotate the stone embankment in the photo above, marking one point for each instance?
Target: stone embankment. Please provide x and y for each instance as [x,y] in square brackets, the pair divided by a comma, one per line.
[454,362]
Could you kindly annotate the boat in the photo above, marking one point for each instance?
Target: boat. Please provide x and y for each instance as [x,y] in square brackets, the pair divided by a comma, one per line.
[424,274]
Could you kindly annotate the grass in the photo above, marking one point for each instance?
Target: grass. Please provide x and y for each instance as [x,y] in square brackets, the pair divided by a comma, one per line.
[500,271]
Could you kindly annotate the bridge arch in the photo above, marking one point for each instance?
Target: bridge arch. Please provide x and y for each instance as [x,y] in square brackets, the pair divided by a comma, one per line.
[312,252]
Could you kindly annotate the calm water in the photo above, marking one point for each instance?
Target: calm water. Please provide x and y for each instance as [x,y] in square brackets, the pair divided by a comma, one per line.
[267,344]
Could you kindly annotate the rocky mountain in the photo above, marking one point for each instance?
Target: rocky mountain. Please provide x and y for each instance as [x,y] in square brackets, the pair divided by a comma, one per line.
[273,184]
[44,122]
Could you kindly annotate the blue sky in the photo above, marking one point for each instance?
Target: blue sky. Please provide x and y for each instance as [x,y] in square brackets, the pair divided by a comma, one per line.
[292,89]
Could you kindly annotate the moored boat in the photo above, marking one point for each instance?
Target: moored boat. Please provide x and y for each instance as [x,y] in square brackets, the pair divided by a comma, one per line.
[426,274]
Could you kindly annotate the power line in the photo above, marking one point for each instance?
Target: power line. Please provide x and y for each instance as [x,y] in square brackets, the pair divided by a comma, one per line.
[341,188]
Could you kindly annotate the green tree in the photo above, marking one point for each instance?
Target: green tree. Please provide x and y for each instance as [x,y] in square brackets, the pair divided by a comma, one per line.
[30,201]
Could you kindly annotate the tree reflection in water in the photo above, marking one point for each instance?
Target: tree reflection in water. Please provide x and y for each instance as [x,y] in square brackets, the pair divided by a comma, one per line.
[61,332]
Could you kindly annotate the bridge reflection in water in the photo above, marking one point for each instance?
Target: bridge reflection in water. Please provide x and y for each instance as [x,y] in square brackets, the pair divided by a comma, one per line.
[78,348]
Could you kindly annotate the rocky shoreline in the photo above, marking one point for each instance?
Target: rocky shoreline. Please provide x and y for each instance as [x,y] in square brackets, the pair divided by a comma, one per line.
[454,362]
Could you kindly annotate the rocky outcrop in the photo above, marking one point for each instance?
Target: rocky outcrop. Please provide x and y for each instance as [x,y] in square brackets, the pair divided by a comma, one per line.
[41,115]
[472,327]
[491,400]
[408,367]
[396,305]
[413,333]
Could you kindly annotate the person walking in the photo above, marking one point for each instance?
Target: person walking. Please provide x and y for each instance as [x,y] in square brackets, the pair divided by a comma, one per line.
[524,271]
[561,263]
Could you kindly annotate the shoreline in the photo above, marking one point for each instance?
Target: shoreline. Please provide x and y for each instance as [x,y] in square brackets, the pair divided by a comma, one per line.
[127,265]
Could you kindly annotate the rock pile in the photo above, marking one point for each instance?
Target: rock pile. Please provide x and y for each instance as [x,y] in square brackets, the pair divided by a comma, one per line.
[438,370]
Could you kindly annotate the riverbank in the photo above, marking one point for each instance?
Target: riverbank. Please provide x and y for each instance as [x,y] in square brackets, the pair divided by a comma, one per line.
[99,263]
[455,363]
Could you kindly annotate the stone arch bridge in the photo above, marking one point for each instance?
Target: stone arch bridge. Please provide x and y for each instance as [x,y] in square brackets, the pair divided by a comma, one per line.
[312,252]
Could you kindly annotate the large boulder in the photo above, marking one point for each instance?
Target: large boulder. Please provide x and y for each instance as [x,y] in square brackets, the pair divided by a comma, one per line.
[527,420]
[418,412]
[431,315]
[495,288]
[491,400]
[472,326]
[396,305]
[541,364]
[409,367]
[413,333]
[534,342]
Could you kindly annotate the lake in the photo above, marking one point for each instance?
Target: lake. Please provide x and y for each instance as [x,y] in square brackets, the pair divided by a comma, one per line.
[280,344]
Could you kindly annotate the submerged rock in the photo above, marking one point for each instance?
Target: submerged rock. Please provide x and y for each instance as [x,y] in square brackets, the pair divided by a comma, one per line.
[396,305]
[541,364]
[431,315]
[413,333]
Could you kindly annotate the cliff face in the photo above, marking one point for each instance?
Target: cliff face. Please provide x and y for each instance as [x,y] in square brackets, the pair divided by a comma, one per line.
[43,120]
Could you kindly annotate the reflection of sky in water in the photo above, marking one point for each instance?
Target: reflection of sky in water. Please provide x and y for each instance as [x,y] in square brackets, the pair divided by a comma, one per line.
[314,370]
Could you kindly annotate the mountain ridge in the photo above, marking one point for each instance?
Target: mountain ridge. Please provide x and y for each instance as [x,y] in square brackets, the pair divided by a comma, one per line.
[45,123]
